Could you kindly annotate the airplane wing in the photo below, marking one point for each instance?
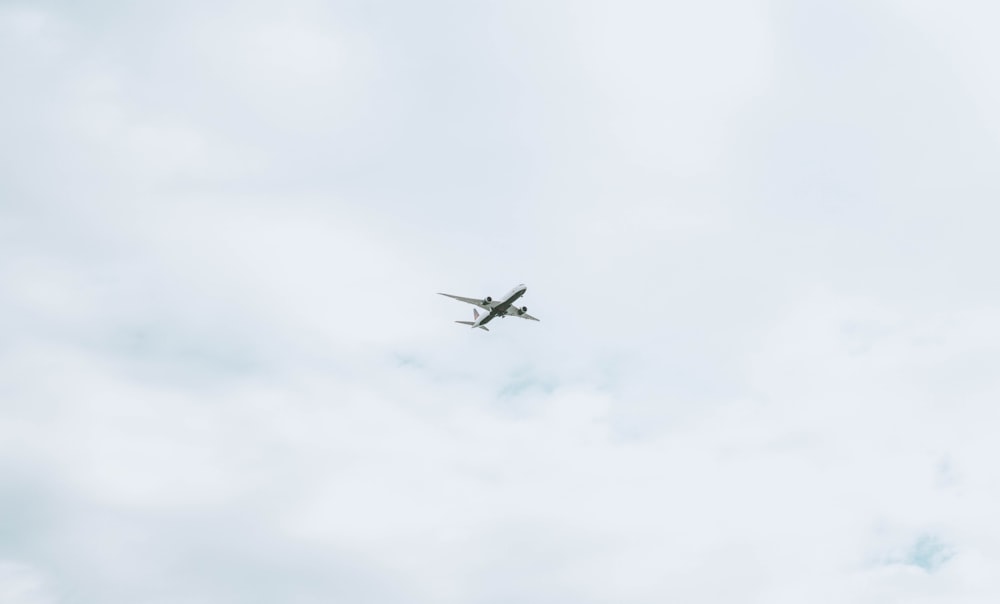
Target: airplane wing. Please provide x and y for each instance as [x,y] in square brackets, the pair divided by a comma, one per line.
[516,312]
[474,301]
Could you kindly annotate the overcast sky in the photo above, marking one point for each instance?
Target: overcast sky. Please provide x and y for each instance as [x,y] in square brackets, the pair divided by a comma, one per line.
[760,237]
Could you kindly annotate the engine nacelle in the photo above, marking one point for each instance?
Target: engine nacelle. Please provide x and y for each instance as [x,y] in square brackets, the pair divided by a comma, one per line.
[487,300]
[524,309]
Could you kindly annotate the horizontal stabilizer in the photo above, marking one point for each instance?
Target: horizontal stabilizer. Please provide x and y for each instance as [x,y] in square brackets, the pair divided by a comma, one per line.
[470,323]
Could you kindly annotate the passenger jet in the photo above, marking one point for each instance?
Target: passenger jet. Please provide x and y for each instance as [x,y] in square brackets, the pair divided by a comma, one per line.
[501,308]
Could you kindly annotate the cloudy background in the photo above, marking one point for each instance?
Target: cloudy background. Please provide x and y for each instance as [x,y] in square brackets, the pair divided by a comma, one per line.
[760,237]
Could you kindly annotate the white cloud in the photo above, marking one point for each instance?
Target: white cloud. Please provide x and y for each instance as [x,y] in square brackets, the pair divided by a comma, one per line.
[961,31]
[764,371]
[21,584]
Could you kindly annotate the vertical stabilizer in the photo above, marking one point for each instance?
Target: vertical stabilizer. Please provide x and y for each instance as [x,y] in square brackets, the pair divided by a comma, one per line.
[475,323]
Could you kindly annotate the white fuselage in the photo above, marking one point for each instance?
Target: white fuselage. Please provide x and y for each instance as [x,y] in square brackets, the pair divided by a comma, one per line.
[499,309]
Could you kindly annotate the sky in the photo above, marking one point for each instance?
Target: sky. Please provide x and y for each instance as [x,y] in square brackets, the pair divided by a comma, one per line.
[759,235]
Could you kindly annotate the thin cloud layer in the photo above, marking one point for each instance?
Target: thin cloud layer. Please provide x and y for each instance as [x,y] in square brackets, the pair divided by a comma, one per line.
[758,238]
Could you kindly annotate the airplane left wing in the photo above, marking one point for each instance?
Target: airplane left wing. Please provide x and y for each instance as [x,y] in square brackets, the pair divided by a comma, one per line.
[516,312]
[484,304]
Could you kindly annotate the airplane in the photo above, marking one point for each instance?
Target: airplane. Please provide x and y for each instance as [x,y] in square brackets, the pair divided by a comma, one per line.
[502,308]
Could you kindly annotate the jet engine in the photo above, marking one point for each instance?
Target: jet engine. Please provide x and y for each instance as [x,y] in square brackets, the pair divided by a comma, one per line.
[487,300]
[524,309]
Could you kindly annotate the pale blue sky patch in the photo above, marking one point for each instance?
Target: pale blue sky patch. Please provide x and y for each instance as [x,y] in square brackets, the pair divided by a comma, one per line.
[167,355]
[929,553]
[524,381]
[408,360]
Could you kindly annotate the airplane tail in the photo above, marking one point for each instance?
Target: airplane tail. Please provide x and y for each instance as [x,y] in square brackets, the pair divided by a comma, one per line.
[475,316]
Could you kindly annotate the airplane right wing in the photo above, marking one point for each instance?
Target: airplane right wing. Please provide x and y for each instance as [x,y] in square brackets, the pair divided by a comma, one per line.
[486,304]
